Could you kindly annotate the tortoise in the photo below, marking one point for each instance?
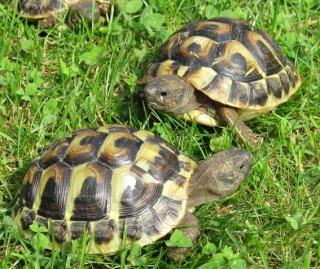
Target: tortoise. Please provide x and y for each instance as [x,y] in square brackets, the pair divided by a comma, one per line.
[115,180]
[220,71]
[48,12]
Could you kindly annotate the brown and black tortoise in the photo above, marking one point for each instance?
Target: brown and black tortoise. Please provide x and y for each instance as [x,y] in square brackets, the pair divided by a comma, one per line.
[48,12]
[220,71]
[117,179]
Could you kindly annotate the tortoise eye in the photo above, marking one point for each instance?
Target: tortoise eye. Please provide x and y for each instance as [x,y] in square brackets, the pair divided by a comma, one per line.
[163,94]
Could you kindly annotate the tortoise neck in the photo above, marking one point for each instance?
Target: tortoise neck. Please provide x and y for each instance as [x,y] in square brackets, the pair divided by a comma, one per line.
[189,100]
[199,190]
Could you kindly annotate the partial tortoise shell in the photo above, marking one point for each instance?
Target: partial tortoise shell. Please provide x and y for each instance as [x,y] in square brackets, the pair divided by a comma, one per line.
[230,62]
[41,9]
[104,181]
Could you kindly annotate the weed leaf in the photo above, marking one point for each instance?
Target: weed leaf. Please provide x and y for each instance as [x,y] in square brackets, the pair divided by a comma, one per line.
[209,249]
[178,239]
[38,229]
[92,57]
[133,6]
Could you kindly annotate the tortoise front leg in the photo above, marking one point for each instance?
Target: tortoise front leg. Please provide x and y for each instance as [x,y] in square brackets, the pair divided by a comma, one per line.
[231,118]
[189,226]
[48,23]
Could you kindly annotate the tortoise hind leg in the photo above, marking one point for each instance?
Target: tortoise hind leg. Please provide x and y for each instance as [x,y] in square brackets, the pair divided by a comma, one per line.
[231,118]
[189,226]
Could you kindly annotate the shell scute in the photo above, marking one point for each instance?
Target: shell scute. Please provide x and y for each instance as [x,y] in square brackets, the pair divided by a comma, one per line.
[274,86]
[285,82]
[201,78]
[171,47]
[53,192]
[236,61]
[258,94]
[137,196]
[89,196]
[26,218]
[42,221]
[77,229]
[119,149]
[168,209]
[111,128]
[239,93]
[104,231]
[84,146]
[133,228]
[269,60]
[59,230]
[160,163]
[217,31]
[277,51]
[30,185]
[54,153]
[291,76]
[166,68]
[219,88]
[196,48]
[152,223]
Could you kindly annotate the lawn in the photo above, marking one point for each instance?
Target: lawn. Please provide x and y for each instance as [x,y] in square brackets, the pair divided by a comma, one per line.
[56,81]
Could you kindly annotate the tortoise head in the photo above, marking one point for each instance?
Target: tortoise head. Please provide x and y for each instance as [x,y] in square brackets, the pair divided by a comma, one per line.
[87,10]
[170,93]
[219,176]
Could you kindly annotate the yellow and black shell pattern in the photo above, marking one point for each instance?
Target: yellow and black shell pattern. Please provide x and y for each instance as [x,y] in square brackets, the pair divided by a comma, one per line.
[111,182]
[230,62]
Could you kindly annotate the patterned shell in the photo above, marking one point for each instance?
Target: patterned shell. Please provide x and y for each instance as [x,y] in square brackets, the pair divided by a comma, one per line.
[230,62]
[106,181]
[40,9]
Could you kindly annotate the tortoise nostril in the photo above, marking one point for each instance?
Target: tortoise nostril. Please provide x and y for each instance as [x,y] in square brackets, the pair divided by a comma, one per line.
[163,93]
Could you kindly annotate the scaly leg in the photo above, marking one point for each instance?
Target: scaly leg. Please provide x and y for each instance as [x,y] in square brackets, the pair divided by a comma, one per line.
[48,22]
[231,117]
[189,226]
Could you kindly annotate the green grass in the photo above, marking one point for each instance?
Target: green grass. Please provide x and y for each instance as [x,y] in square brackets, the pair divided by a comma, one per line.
[53,84]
